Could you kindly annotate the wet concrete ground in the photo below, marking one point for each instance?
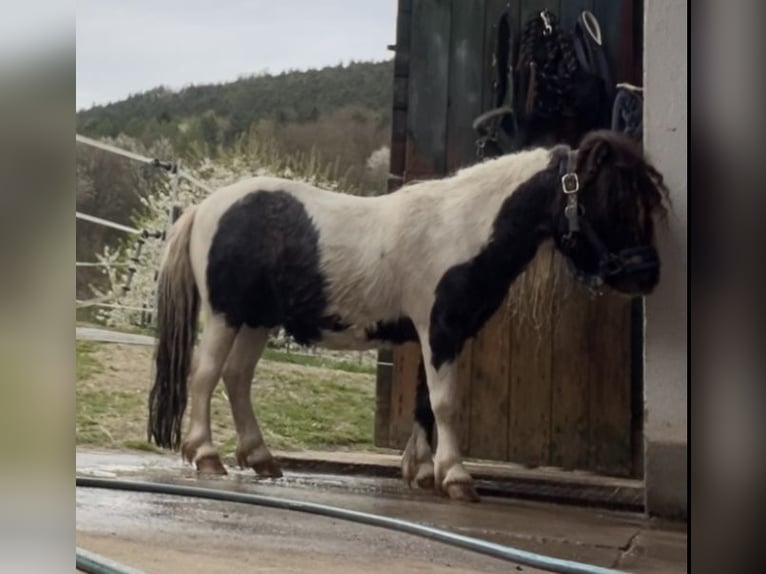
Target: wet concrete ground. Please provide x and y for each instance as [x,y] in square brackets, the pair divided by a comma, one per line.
[172,534]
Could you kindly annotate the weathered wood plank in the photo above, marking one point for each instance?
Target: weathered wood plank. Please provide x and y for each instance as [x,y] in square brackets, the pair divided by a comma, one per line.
[428,89]
[529,431]
[465,82]
[381,430]
[493,11]
[489,388]
[571,364]
[403,383]
[403,38]
[397,158]
[610,386]
[463,399]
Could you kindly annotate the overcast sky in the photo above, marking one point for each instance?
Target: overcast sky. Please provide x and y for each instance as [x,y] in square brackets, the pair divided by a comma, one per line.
[129,46]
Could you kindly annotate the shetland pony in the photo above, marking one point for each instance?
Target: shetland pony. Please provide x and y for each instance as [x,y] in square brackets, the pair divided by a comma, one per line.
[430,262]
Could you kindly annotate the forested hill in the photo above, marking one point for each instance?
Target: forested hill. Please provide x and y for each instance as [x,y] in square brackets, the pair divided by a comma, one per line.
[218,114]
[334,121]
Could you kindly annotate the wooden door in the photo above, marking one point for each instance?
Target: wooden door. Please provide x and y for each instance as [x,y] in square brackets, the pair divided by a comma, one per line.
[552,379]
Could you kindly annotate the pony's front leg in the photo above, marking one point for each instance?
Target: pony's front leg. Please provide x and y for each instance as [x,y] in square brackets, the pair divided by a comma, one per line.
[449,474]
[214,347]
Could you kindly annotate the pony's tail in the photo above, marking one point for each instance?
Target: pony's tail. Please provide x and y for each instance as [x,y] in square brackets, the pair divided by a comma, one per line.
[177,311]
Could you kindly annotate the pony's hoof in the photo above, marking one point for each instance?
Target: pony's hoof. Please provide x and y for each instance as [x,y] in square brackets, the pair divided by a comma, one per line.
[462,491]
[424,478]
[421,474]
[425,482]
[188,452]
[210,464]
[268,469]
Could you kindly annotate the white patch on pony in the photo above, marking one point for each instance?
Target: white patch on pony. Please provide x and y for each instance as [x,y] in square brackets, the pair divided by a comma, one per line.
[417,463]
[442,390]
[383,256]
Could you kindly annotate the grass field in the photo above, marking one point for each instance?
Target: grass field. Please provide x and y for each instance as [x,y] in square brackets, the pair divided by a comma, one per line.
[302,402]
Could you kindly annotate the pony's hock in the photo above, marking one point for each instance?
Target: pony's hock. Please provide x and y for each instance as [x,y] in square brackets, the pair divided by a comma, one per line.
[349,272]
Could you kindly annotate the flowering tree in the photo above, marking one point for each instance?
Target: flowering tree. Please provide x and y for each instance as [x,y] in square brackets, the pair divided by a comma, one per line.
[134,305]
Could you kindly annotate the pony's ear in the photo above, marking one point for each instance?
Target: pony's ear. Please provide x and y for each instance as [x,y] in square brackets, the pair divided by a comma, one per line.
[595,151]
[607,149]
[597,147]
[612,145]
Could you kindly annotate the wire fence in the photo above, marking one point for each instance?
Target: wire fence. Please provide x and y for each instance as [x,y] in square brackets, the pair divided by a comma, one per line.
[173,168]
[106,223]
[99,264]
[109,301]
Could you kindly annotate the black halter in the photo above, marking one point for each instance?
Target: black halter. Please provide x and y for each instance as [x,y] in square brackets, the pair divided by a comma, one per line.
[625,263]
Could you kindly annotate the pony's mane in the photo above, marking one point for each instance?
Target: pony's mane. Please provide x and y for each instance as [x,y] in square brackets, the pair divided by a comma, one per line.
[598,150]
[496,166]
[607,149]
[504,162]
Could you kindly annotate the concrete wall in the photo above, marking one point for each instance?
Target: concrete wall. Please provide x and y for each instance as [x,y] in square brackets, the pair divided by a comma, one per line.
[665,382]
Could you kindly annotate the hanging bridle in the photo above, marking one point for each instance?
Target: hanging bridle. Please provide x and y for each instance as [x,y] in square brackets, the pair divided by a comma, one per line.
[625,263]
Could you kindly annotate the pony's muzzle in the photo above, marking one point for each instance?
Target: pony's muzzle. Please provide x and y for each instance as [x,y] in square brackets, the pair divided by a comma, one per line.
[634,271]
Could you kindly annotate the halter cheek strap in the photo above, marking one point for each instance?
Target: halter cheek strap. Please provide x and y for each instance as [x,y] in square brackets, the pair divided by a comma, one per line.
[570,184]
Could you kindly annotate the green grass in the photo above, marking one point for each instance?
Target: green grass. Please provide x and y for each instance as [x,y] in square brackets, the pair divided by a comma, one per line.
[318,361]
[309,408]
[104,416]
[301,402]
[86,363]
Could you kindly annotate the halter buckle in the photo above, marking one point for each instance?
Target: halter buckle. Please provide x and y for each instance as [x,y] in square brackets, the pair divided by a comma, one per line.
[570,183]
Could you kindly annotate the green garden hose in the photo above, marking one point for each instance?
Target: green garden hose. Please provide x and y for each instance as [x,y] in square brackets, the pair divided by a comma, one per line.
[500,551]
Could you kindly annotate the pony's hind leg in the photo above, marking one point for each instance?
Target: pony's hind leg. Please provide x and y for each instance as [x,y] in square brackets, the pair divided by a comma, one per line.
[417,459]
[238,377]
[216,342]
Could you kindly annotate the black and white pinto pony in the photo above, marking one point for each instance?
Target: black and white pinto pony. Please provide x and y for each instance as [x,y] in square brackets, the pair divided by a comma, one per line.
[430,262]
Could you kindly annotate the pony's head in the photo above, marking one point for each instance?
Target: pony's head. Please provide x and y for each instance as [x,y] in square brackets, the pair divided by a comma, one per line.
[609,201]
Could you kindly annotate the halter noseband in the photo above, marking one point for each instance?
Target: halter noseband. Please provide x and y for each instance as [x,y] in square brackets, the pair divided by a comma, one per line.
[625,263]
